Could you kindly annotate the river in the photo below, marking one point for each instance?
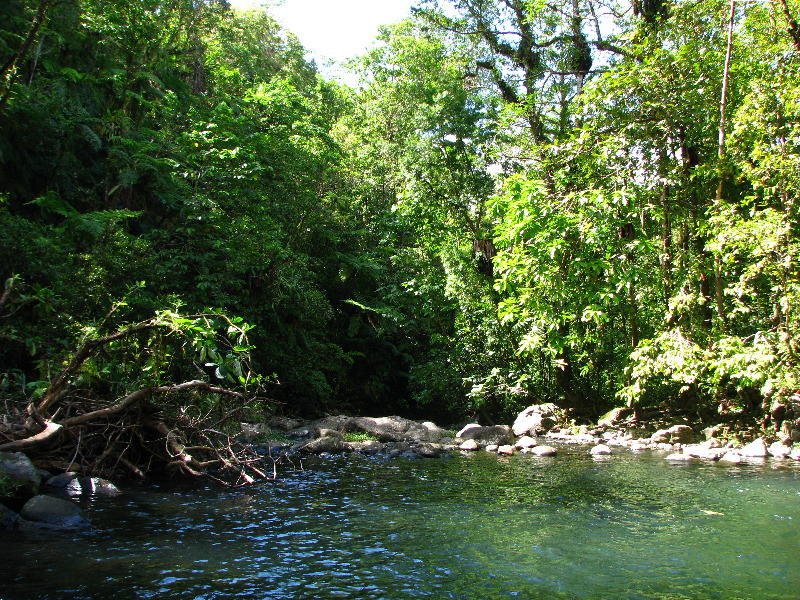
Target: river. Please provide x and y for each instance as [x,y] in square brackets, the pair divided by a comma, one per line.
[483,527]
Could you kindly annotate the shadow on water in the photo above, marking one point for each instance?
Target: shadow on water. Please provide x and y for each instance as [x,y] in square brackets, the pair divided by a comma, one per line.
[468,527]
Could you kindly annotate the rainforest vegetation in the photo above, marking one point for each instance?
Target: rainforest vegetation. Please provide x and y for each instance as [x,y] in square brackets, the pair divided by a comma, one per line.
[585,202]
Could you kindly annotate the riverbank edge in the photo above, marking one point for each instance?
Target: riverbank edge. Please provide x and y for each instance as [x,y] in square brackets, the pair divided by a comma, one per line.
[541,430]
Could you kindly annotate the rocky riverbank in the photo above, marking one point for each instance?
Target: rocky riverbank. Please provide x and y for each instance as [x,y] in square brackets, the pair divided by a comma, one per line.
[33,498]
[539,429]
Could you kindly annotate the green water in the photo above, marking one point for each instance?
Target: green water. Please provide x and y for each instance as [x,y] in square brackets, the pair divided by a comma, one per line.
[471,527]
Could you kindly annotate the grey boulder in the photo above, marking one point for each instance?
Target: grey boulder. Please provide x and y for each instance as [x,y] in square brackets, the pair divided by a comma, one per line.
[53,513]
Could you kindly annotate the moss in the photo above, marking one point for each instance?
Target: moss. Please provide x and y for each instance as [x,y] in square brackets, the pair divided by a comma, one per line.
[359,436]
[7,487]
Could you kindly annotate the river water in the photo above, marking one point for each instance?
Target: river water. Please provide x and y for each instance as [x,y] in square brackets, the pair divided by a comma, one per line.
[483,527]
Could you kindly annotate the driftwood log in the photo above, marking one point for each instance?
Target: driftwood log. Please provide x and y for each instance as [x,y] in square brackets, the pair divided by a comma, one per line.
[153,428]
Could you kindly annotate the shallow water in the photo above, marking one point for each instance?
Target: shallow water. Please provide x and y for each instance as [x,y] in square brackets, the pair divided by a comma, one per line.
[467,527]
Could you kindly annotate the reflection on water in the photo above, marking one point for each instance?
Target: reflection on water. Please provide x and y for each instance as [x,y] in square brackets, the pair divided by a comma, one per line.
[473,527]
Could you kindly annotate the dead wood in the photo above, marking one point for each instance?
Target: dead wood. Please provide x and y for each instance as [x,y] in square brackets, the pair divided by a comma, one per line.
[128,432]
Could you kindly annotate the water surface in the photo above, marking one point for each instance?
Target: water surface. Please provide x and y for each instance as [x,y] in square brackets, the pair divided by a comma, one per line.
[627,527]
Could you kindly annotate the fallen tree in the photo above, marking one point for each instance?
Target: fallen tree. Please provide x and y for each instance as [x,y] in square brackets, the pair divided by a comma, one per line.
[155,425]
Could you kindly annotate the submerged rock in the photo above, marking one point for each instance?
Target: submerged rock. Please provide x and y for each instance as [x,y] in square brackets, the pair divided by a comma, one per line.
[544,451]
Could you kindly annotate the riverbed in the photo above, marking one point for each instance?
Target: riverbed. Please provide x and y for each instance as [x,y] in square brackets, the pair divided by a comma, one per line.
[466,527]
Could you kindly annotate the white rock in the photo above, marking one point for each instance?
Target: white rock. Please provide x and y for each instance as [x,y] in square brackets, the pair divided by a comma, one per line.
[731,457]
[467,428]
[600,449]
[491,447]
[757,448]
[536,418]
[544,451]
[779,450]
[507,450]
[525,441]
[470,445]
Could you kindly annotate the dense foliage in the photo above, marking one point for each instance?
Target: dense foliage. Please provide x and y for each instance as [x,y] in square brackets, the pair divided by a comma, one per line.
[591,203]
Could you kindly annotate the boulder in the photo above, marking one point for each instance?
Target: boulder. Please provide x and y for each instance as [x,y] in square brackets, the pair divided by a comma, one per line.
[95,486]
[335,422]
[682,434]
[506,450]
[705,451]
[660,437]
[23,478]
[733,458]
[71,485]
[8,518]
[329,433]
[756,449]
[493,434]
[470,445]
[397,429]
[466,428]
[779,450]
[525,442]
[677,434]
[600,449]
[370,447]
[283,423]
[251,431]
[427,450]
[615,416]
[331,444]
[66,483]
[536,419]
[491,447]
[53,513]
[544,451]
